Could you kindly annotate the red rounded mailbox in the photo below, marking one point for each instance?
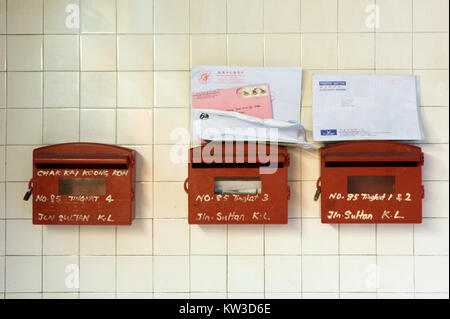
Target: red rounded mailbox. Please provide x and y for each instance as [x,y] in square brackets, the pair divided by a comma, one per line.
[371,182]
[83,184]
[238,183]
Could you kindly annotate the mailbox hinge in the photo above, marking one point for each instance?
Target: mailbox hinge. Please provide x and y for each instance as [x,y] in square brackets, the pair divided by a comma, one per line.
[421,159]
[422,191]
[288,192]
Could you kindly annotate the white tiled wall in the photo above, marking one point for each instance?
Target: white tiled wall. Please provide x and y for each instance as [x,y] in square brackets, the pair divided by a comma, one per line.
[123,78]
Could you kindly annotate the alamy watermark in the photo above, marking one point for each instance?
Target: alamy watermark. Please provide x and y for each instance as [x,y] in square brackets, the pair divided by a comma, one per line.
[260,147]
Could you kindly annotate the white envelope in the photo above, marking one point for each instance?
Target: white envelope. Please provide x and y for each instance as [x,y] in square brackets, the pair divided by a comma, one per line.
[217,125]
[365,107]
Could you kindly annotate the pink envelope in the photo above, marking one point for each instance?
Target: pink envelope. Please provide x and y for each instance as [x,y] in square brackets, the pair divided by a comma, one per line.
[253,100]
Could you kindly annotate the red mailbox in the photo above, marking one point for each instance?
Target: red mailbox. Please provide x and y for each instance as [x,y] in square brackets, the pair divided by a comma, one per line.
[83,184]
[371,182]
[238,183]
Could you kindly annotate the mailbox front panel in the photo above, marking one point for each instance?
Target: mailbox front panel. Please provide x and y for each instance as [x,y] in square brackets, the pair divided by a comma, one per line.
[83,184]
[264,201]
[371,182]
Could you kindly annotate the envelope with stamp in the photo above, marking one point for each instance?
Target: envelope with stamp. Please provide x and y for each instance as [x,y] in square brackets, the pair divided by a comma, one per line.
[246,103]
[253,100]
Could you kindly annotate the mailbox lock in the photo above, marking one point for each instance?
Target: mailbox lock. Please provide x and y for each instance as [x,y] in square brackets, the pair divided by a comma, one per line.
[30,189]
[318,189]
[186,184]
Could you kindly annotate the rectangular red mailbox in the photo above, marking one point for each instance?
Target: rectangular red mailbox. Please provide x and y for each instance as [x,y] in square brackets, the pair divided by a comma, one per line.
[238,183]
[371,182]
[83,184]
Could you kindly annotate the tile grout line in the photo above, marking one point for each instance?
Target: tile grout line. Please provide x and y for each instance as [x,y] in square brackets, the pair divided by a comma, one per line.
[301,231]
[227,288]
[377,277]
[42,138]
[189,226]
[301,57]
[116,139]
[375,37]
[6,143]
[339,260]
[375,70]
[153,146]
[79,78]
[224,33]
[413,226]
[291,180]
[188,70]
[338,225]
[264,226]
[337,35]
[239,255]
[79,131]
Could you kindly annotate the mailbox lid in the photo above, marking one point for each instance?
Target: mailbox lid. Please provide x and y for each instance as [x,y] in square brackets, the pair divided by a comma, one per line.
[370,152]
[83,153]
[239,152]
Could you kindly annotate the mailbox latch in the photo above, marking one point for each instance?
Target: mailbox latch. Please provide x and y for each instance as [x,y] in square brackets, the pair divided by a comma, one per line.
[30,189]
[318,189]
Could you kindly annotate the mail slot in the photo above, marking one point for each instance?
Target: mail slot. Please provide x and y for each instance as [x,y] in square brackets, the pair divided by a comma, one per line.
[238,183]
[371,182]
[82,184]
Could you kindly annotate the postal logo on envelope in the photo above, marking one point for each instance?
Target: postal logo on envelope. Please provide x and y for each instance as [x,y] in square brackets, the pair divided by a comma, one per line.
[253,100]
[332,85]
[204,77]
[328,132]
